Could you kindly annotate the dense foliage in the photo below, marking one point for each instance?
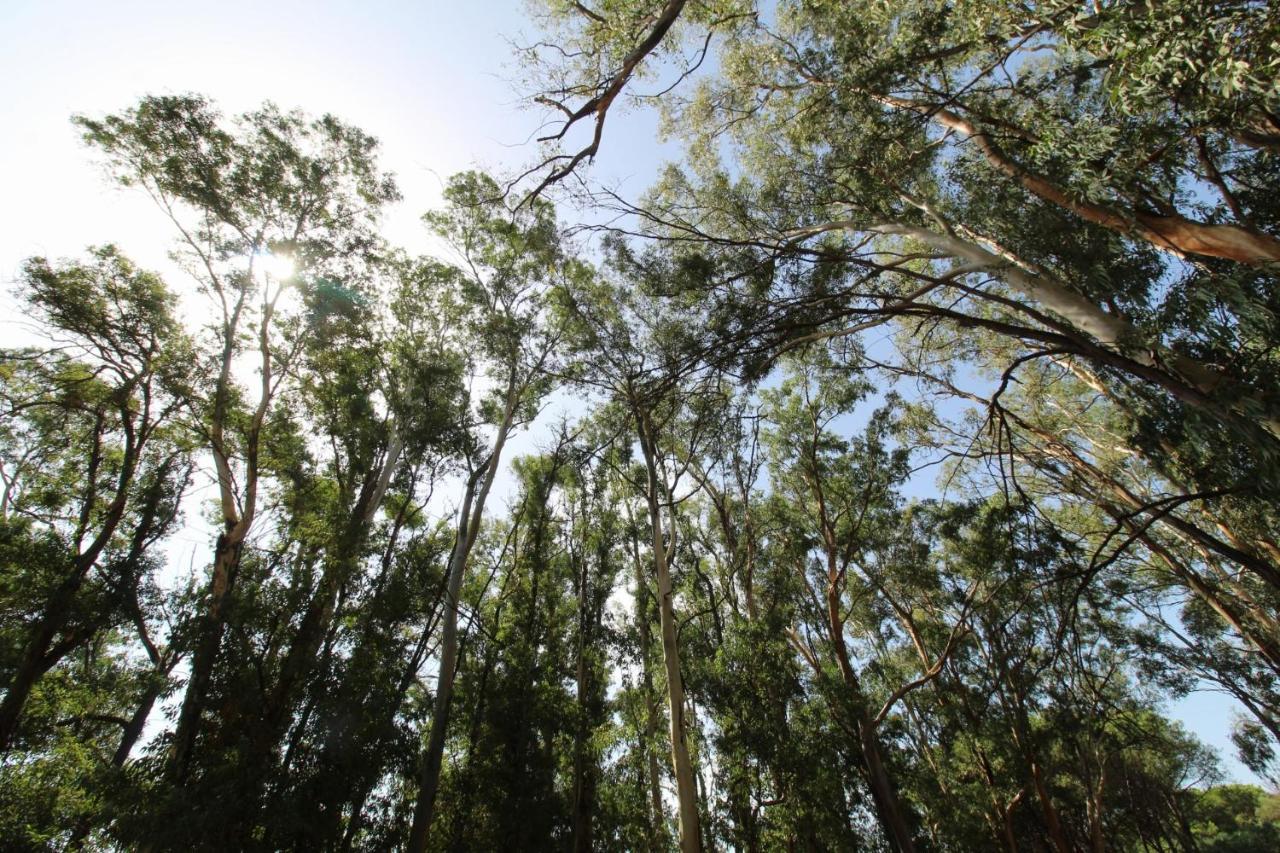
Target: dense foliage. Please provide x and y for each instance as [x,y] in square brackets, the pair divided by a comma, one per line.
[924,440]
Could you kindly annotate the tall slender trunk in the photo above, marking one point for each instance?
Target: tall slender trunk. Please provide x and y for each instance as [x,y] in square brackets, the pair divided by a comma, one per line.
[432,758]
[342,757]
[884,795]
[36,659]
[656,817]
[1047,808]
[301,657]
[584,767]
[1096,808]
[686,783]
[468,529]
[1020,729]
[356,698]
[237,521]
[137,722]
[883,791]
[226,566]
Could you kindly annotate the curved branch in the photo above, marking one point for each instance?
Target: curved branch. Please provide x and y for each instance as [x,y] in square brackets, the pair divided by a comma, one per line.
[1171,233]
[608,92]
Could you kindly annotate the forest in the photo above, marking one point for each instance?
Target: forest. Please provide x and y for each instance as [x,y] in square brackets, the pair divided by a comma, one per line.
[899,454]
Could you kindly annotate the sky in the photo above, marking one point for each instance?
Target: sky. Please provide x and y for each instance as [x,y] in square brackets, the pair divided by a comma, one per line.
[430,79]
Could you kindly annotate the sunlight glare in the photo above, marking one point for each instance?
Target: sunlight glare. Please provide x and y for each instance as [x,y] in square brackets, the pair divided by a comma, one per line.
[275,266]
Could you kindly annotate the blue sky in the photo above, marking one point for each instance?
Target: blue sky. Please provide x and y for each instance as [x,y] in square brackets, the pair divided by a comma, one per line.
[430,79]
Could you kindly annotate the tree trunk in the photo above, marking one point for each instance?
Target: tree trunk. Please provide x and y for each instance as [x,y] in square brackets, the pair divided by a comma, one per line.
[1047,809]
[226,565]
[1097,833]
[237,521]
[40,655]
[133,731]
[301,657]
[36,659]
[1198,385]
[1020,729]
[584,769]
[656,817]
[271,726]
[433,756]
[883,793]
[686,784]
[468,530]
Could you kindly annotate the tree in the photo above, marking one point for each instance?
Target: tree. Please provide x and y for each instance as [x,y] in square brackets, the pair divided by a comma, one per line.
[508,260]
[640,370]
[94,463]
[279,183]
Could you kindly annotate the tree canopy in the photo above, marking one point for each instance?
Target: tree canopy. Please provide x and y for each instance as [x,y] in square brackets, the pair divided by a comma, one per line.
[919,440]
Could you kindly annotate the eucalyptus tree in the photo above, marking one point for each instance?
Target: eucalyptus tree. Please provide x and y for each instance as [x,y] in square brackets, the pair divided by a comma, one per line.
[1076,199]
[826,111]
[639,701]
[273,184]
[843,501]
[507,262]
[374,418]
[1061,219]
[94,456]
[637,342]
[389,393]
[778,778]
[596,559]
[1057,436]
[531,688]
[1044,701]
[1043,94]
[347,378]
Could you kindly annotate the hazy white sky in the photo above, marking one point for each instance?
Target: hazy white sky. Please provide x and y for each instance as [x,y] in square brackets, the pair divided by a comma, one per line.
[430,79]
[396,70]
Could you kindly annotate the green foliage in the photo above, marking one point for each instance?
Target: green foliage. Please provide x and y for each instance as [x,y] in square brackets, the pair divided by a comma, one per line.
[1235,817]
[996,241]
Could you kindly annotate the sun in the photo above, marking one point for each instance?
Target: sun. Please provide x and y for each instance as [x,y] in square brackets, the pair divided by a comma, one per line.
[275,265]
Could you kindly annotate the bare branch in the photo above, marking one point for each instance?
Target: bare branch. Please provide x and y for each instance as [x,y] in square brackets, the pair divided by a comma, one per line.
[608,92]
